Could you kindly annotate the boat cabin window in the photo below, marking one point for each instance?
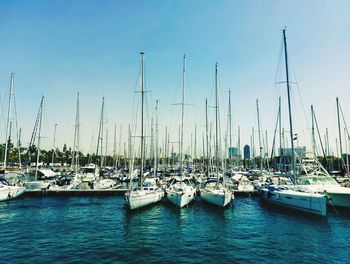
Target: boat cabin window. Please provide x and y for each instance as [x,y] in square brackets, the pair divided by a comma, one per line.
[4,182]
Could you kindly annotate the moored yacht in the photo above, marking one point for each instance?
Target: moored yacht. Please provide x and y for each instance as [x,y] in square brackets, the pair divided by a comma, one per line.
[315,178]
[281,192]
[147,192]
[181,192]
[8,192]
[215,193]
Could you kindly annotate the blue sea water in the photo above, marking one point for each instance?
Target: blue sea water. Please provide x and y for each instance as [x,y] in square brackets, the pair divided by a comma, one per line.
[101,230]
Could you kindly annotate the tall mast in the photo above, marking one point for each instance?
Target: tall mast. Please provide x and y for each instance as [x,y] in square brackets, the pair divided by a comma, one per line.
[216,123]
[327,142]
[239,147]
[339,129]
[207,135]
[129,149]
[253,147]
[106,144]
[280,125]
[156,143]
[313,131]
[119,146]
[182,116]
[115,145]
[8,130]
[75,156]
[289,103]
[203,151]
[166,146]
[266,146]
[19,148]
[259,131]
[100,133]
[151,147]
[54,144]
[142,105]
[39,136]
[195,144]
[229,124]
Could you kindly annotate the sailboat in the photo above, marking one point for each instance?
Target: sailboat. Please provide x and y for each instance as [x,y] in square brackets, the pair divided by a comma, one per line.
[180,192]
[287,195]
[36,184]
[147,192]
[8,191]
[215,192]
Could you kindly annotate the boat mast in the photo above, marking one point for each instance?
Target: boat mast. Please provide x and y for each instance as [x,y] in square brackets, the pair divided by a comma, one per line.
[216,123]
[19,148]
[115,145]
[239,147]
[142,105]
[129,147]
[207,135]
[259,132]
[75,156]
[39,136]
[253,148]
[8,129]
[182,116]
[54,144]
[106,145]
[230,124]
[156,143]
[313,131]
[289,103]
[195,146]
[166,147]
[100,133]
[346,132]
[280,125]
[340,143]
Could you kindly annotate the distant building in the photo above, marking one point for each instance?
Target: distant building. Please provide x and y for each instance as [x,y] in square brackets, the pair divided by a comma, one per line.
[300,151]
[175,157]
[246,152]
[285,161]
[232,152]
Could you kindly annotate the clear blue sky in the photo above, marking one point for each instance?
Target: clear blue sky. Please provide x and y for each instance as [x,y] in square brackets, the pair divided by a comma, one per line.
[57,48]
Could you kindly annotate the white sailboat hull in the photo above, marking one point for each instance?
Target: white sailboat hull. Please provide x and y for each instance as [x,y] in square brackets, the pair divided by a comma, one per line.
[141,198]
[181,197]
[302,201]
[10,192]
[216,197]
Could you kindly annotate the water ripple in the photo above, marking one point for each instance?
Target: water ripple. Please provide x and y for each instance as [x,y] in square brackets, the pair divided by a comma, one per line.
[72,230]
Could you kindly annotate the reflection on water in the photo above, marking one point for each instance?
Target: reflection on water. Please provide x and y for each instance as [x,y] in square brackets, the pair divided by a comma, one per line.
[102,230]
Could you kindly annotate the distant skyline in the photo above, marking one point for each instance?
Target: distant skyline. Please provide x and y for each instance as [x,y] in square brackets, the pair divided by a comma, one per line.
[59,48]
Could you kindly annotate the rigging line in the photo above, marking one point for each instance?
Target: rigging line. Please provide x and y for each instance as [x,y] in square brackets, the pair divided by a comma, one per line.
[278,71]
[2,104]
[179,85]
[274,137]
[346,127]
[300,97]
[319,136]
